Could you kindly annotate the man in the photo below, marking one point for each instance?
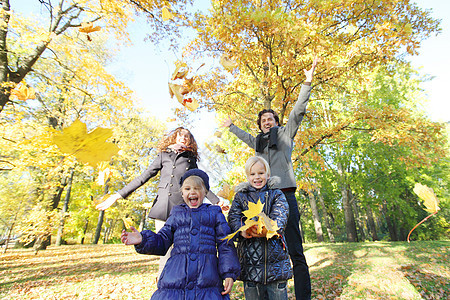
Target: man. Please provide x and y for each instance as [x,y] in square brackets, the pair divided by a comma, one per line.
[275,144]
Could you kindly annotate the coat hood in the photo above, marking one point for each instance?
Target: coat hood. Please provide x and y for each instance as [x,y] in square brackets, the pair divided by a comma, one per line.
[272,182]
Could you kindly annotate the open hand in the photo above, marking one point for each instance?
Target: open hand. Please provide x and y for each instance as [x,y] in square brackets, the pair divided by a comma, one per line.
[310,73]
[108,202]
[226,122]
[131,238]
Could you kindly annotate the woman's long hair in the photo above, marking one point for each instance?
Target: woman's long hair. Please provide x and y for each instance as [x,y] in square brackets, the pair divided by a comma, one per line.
[171,138]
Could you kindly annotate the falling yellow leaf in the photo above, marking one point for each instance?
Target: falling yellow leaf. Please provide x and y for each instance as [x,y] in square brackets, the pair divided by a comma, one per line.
[190,103]
[128,222]
[103,174]
[227,192]
[88,27]
[89,147]
[166,14]
[23,92]
[430,200]
[181,70]
[175,90]
[228,63]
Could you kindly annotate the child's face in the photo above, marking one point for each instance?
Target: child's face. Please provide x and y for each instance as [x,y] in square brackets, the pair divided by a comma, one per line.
[183,137]
[192,193]
[257,176]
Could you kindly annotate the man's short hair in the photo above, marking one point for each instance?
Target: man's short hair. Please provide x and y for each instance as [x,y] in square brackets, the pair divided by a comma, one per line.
[275,116]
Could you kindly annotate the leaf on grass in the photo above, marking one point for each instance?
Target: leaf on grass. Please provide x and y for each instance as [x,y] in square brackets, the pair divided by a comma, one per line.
[89,148]
[23,92]
[430,200]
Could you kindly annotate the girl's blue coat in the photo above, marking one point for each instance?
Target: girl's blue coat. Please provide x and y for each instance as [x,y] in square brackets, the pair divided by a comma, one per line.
[194,270]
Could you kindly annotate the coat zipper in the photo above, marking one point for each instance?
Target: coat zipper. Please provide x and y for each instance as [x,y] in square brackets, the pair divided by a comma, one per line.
[266,204]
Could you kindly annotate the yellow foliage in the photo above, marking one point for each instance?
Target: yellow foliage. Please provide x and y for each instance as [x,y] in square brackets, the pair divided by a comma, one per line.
[263,221]
[90,147]
[430,200]
[128,222]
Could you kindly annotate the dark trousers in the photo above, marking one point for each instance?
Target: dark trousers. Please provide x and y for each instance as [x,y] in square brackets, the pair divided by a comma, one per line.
[293,236]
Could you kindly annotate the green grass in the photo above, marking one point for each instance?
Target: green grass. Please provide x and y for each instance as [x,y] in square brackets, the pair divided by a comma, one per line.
[378,270]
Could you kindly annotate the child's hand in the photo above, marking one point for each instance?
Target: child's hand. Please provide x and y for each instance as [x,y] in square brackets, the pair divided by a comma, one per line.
[246,234]
[227,285]
[254,232]
[131,238]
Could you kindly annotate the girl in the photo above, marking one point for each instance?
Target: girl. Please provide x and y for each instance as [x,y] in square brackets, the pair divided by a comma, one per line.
[177,154]
[265,264]
[196,229]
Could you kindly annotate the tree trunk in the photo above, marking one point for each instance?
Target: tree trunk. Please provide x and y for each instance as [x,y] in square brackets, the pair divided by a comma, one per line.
[360,227]
[64,210]
[86,223]
[101,215]
[371,224]
[350,227]
[326,217]
[143,219]
[316,217]
[8,237]
[389,223]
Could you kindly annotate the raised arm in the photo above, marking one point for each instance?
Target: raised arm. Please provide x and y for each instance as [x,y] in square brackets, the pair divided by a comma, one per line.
[244,136]
[299,110]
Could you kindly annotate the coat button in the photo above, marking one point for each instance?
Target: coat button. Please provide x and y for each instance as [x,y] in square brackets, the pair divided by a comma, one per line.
[172,176]
[174,167]
[190,285]
[193,256]
[187,168]
[171,184]
[170,194]
[194,231]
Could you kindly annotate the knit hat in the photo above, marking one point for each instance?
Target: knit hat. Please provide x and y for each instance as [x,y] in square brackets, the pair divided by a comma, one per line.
[196,172]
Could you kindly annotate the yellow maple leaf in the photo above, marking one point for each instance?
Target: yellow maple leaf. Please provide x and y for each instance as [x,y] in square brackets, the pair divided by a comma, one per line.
[247,225]
[227,192]
[128,222]
[181,70]
[23,92]
[89,147]
[254,209]
[228,63]
[430,200]
[166,14]
[88,27]
[103,174]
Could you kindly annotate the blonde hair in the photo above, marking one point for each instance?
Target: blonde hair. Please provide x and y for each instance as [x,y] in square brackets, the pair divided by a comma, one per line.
[252,161]
[195,181]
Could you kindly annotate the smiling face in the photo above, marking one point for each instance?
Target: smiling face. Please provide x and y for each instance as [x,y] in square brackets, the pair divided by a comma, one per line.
[267,121]
[257,175]
[193,191]
[183,137]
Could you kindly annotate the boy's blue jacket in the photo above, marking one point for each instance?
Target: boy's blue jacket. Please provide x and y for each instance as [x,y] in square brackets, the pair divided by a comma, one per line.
[262,260]
[194,270]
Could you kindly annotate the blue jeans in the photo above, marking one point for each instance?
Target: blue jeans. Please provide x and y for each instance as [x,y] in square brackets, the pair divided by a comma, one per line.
[302,281]
[276,290]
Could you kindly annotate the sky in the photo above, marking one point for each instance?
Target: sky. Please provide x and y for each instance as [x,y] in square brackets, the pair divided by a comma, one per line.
[147,68]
